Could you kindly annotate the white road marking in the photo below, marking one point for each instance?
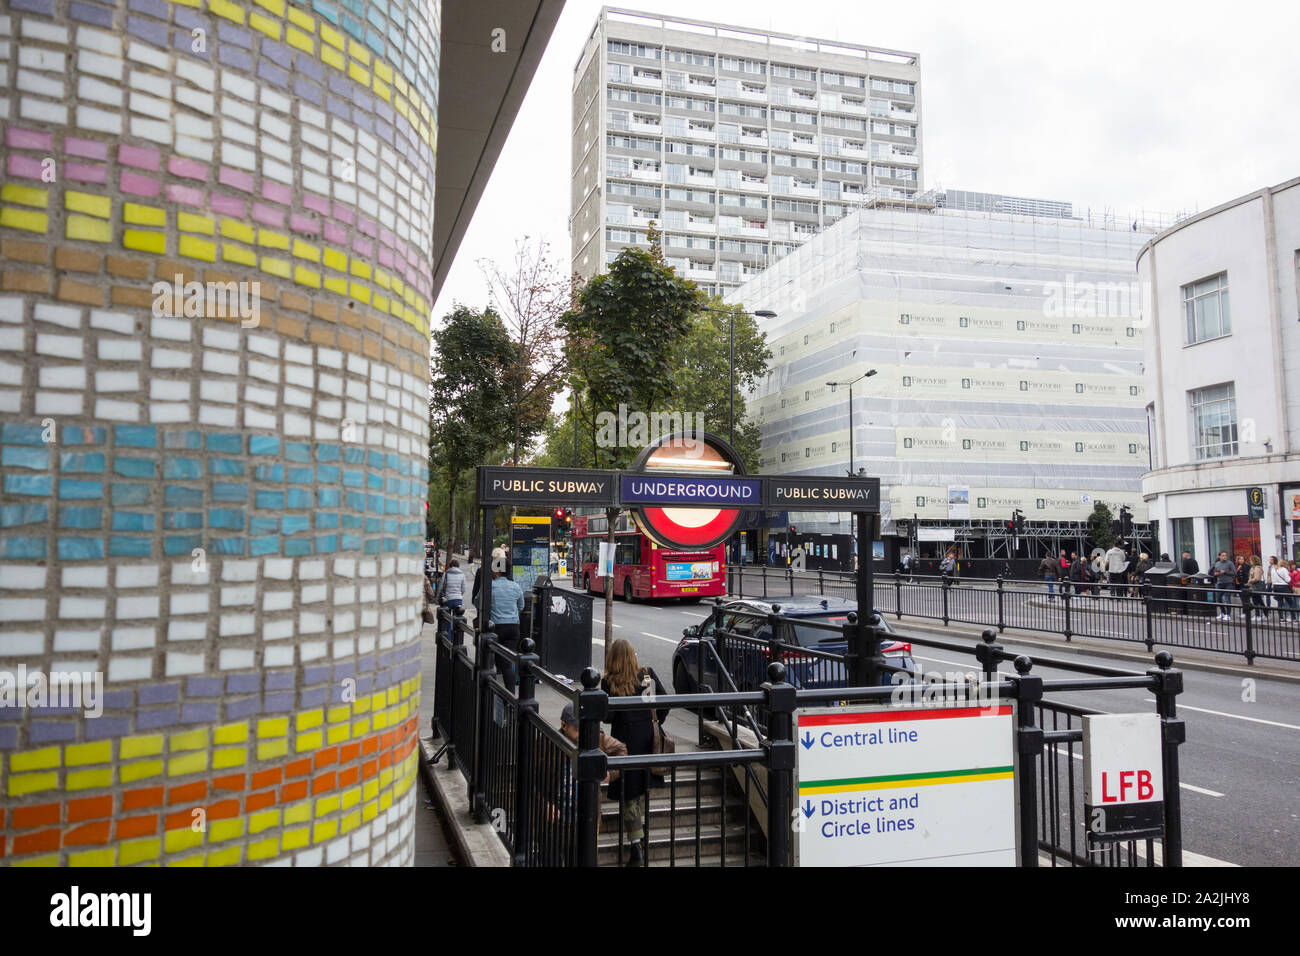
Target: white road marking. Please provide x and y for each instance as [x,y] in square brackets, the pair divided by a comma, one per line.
[1220,713]
[1185,786]
[658,638]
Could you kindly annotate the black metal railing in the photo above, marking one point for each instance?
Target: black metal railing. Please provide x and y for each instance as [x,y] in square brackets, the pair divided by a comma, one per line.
[549,799]
[1241,622]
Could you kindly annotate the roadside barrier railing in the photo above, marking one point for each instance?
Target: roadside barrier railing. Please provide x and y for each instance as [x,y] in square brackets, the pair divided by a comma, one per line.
[1243,622]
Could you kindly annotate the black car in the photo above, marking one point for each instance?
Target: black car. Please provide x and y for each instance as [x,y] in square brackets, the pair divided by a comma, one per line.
[806,672]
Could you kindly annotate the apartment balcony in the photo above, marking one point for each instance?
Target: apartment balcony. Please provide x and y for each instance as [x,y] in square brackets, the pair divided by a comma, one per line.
[907,116]
[855,109]
[700,179]
[750,185]
[696,273]
[751,139]
[848,150]
[907,159]
[703,135]
[708,89]
[654,128]
[646,175]
[755,231]
[642,220]
[652,82]
[799,147]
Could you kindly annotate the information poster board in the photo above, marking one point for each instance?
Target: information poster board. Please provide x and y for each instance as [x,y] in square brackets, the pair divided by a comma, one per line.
[906,786]
[530,549]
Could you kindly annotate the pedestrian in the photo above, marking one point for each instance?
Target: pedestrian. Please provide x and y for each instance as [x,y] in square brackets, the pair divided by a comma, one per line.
[1116,568]
[1047,570]
[1294,600]
[1224,574]
[451,590]
[1078,573]
[1063,572]
[1187,569]
[611,745]
[908,561]
[1279,581]
[1098,568]
[625,677]
[1258,589]
[507,600]
[498,564]
[948,567]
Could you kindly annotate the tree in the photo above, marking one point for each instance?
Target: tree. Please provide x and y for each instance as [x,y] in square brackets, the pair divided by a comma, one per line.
[1099,523]
[530,296]
[621,338]
[702,373]
[469,412]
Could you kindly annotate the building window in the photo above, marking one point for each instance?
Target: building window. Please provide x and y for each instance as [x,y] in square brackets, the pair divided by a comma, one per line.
[1214,421]
[1206,306]
[1184,539]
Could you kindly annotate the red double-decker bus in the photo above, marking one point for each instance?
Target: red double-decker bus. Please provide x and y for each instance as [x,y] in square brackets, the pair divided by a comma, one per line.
[642,569]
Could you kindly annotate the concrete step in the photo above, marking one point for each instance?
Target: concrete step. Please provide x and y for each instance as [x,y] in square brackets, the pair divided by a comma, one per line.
[662,812]
[682,848]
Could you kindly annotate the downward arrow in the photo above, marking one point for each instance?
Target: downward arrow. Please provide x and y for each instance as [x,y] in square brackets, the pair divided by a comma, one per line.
[809,809]
[808,740]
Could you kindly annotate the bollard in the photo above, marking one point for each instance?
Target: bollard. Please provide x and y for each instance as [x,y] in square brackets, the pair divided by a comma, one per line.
[987,654]
[898,596]
[592,764]
[1029,741]
[1173,732]
[779,748]
[1002,626]
[1250,635]
[484,660]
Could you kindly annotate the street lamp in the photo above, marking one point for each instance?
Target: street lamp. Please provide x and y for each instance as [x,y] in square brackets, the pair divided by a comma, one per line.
[760,314]
[850,384]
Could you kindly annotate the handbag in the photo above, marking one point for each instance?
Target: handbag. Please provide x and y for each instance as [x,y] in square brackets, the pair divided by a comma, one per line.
[661,744]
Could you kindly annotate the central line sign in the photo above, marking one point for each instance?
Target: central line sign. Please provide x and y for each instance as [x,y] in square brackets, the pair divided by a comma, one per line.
[898,786]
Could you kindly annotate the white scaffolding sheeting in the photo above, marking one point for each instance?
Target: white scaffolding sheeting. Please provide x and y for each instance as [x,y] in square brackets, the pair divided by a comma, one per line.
[1008,352]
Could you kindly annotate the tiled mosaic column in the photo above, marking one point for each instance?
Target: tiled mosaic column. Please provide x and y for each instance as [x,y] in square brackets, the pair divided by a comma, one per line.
[219,511]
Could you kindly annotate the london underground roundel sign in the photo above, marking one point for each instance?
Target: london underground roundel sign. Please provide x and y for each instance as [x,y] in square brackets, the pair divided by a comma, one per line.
[690,480]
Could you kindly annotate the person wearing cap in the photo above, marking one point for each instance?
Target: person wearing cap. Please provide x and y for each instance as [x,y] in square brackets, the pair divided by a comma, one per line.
[568,793]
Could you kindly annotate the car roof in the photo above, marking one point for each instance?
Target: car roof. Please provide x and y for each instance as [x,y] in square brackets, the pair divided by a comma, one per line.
[801,605]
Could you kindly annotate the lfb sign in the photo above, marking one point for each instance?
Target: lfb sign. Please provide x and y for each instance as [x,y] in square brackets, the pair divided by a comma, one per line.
[1122,766]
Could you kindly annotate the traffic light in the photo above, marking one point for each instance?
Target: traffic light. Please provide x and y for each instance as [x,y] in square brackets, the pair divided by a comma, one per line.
[1126,521]
[568,517]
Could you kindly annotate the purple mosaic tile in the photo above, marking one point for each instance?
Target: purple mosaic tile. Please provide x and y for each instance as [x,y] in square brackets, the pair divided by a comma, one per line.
[102,728]
[203,687]
[339,85]
[48,731]
[243,683]
[229,33]
[231,56]
[279,702]
[280,680]
[44,7]
[152,33]
[238,709]
[316,675]
[90,14]
[344,669]
[119,699]
[313,697]
[338,108]
[272,73]
[366,663]
[365,685]
[200,712]
[185,43]
[9,737]
[309,66]
[184,17]
[156,8]
[308,91]
[152,719]
[159,694]
[276,53]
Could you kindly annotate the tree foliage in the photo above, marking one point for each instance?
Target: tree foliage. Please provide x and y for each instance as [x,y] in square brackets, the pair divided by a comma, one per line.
[469,412]
[1099,525]
[530,295]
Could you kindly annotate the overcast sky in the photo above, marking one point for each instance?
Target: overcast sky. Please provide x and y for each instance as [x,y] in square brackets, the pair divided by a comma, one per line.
[1127,106]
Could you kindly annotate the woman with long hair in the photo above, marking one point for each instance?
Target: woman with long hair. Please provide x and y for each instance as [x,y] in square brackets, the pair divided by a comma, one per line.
[1258,589]
[625,677]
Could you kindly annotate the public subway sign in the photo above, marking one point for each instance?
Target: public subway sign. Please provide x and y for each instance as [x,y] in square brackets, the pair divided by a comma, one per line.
[884,786]
[1123,776]
[546,486]
[822,494]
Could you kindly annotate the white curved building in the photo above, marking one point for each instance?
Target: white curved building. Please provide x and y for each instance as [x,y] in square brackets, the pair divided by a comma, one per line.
[1223,371]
